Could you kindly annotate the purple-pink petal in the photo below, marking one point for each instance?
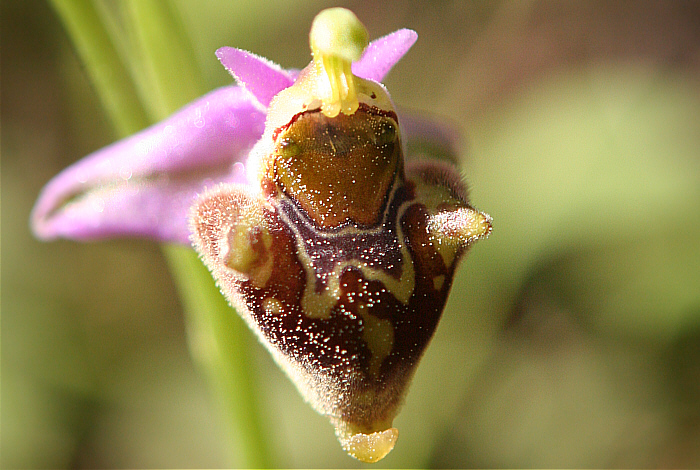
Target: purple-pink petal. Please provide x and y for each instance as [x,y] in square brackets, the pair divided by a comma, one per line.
[143,185]
[156,209]
[259,76]
[382,54]
[264,79]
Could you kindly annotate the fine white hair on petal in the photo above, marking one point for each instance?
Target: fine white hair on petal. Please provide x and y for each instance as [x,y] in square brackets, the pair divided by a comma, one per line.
[260,77]
[383,53]
[142,180]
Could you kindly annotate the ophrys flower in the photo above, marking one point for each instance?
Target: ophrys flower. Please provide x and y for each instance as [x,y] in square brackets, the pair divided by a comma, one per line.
[337,250]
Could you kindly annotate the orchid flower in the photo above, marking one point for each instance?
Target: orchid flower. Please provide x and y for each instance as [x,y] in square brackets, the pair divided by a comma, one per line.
[298,190]
[144,185]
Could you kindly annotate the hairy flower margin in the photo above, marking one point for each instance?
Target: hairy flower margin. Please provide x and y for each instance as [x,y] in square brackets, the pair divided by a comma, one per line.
[144,185]
[294,189]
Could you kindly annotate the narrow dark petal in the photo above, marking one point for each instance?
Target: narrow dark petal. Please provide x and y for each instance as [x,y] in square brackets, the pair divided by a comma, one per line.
[427,137]
[382,54]
[143,185]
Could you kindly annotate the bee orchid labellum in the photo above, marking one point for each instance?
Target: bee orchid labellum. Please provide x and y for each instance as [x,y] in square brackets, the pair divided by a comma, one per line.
[342,256]
[303,195]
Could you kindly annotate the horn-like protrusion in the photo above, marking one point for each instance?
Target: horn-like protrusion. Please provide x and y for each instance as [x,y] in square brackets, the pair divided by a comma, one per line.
[459,227]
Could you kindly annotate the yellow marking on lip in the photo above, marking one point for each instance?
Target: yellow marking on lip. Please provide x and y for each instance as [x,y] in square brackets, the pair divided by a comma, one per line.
[379,336]
[245,247]
[272,306]
[438,282]
[320,305]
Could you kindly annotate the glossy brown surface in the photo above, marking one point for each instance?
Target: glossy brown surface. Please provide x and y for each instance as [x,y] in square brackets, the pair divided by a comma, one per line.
[338,169]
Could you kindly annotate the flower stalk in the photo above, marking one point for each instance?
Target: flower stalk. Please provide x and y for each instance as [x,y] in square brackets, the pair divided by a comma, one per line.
[218,339]
[109,75]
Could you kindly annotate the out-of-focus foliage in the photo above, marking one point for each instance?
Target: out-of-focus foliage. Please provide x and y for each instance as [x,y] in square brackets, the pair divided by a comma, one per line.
[572,337]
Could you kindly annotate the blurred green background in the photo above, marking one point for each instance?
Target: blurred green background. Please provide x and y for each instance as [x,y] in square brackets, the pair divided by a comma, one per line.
[572,337]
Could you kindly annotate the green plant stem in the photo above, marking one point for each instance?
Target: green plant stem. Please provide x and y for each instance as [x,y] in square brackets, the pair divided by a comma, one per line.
[170,68]
[219,342]
[108,74]
[164,66]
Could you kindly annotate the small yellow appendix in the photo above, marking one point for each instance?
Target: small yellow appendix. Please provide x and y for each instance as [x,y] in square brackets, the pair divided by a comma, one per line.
[342,258]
